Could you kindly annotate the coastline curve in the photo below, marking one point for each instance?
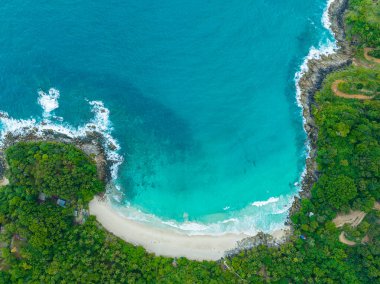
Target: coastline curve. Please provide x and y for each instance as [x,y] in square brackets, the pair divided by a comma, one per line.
[308,82]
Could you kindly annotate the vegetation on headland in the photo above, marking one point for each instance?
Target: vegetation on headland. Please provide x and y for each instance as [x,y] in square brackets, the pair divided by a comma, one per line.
[375,53]
[360,80]
[55,171]
[42,243]
[363,22]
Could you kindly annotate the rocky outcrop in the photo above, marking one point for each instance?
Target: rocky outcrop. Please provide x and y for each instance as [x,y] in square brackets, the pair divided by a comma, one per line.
[311,82]
[3,166]
[91,144]
[257,240]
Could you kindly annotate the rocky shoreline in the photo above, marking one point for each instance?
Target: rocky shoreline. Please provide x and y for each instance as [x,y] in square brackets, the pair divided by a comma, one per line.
[310,83]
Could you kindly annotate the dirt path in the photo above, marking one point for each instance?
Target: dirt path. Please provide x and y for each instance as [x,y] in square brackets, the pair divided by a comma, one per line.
[354,218]
[370,58]
[334,88]
[365,239]
[342,239]
[363,63]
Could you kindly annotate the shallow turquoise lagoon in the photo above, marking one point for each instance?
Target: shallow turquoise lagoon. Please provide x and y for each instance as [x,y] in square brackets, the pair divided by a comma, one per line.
[201,96]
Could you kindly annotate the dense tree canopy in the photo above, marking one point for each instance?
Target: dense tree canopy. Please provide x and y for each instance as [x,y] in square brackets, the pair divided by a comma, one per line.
[41,243]
[56,171]
[336,191]
[363,22]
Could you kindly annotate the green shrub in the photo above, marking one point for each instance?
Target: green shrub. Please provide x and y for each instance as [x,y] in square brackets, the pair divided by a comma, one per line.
[374,53]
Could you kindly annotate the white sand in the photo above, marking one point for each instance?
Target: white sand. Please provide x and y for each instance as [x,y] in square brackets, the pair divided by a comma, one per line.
[342,239]
[165,242]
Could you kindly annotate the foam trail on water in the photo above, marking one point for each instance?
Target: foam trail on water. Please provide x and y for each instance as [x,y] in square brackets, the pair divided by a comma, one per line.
[325,18]
[267,217]
[48,101]
[101,117]
[263,203]
[324,49]
[102,124]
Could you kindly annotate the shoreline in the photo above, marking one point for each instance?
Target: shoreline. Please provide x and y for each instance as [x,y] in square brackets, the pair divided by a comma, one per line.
[309,83]
[161,241]
[171,243]
[91,145]
[208,247]
[167,242]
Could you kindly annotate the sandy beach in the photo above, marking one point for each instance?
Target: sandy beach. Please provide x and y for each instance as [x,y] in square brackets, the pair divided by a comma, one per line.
[165,242]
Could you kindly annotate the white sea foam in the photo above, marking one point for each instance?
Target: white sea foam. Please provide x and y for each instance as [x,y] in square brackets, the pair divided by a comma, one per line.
[326,18]
[262,203]
[249,220]
[101,118]
[187,226]
[231,220]
[327,48]
[281,211]
[48,101]
[101,123]
[324,49]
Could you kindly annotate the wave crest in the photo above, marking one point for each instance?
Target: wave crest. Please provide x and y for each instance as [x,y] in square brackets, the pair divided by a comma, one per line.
[48,101]
[263,203]
[267,217]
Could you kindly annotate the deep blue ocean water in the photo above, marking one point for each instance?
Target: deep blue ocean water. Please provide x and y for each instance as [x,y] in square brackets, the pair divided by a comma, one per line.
[201,96]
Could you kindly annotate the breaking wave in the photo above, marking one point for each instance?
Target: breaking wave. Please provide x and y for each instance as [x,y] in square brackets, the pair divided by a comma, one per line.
[324,49]
[315,53]
[261,216]
[263,203]
[48,101]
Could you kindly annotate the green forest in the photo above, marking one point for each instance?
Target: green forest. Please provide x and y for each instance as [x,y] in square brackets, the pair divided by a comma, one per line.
[41,242]
[363,21]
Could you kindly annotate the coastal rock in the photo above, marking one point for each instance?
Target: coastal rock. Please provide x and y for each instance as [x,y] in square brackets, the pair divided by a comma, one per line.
[2,165]
[311,82]
[257,240]
[94,151]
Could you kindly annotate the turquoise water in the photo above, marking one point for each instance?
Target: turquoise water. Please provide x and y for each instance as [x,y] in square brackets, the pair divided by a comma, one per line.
[201,96]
